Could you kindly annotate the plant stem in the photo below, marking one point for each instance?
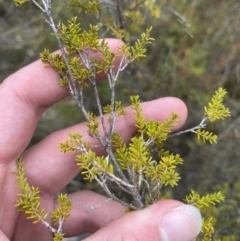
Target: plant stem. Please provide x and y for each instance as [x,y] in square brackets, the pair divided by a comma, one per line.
[201,125]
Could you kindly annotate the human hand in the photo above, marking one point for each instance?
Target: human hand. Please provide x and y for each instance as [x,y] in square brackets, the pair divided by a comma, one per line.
[24,96]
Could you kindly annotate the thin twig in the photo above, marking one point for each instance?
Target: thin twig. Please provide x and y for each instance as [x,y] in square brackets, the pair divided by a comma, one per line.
[99,205]
[202,125]
[111,195]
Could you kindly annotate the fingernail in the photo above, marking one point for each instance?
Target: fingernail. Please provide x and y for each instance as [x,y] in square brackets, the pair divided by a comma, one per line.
[182,224]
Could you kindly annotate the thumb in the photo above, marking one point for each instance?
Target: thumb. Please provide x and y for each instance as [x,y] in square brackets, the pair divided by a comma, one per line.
[166,220]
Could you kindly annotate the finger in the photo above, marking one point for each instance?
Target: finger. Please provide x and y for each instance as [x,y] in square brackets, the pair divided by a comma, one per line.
[166,220]
[24,96]
[3,237]
[83,219]
[55,170]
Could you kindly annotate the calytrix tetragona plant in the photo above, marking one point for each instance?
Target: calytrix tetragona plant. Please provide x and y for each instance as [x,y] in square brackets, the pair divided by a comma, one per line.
[140,168]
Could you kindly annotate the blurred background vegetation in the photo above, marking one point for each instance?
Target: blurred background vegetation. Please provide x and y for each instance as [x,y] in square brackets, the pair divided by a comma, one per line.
[196,50]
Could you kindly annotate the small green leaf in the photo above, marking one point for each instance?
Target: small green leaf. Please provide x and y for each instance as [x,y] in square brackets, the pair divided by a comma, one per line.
[216,110]
[206,136]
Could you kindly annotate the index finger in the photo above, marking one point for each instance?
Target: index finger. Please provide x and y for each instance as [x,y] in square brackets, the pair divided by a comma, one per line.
[24,96]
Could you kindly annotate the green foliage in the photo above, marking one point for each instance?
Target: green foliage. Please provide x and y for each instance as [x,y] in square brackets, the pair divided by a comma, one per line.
[210,199]
[78,65]
[73,143]
[92,124]
[201,202]
[90,7]
[164,172]
[107,58]
[206,136]
[29,200]
[216,110]
[29,203]
[118,108]
[138,116]
[93,166]
[74,40]
[136,158]
[157,132]
[62,212]
[19,2]
[138,50]
[58,237]
[55,61]
[153,8]
[208,230]
[118,18]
